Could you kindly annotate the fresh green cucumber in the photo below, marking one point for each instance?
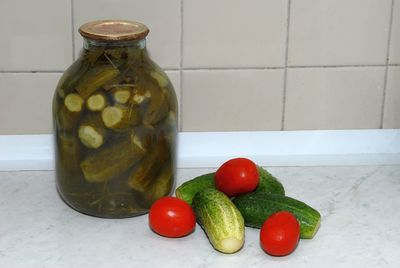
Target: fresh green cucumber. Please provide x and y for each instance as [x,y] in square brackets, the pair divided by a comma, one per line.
[190,188]
[256,207]
[187,190]
[268,183]
[220,219]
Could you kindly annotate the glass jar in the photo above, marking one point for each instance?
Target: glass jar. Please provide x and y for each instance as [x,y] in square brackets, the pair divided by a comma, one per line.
[115,124]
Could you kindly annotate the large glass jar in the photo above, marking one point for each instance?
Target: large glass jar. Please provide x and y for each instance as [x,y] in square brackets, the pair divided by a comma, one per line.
[115,122]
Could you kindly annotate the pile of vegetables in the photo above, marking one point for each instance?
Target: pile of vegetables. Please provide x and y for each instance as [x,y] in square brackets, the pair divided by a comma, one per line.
[238,194]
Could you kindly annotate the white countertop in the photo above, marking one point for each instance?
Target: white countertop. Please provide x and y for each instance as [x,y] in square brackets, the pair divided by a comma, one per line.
[360,226]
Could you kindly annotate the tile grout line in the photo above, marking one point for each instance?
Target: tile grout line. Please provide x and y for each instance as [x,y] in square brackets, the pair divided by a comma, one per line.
[283,67]
[337,66]
[228,68]
[386,65]
[73,30]
[180,69]
[286,66]
[218,69]
[32,72]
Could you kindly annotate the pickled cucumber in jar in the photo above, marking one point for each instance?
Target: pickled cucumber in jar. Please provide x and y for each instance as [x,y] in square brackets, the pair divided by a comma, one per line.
[115,124]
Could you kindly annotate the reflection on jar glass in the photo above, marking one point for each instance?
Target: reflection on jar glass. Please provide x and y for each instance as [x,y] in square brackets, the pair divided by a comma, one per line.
[115,124]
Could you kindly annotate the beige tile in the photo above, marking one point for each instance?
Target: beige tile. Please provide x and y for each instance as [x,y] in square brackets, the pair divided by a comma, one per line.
[334,98]
[162,17]
[338,32]
[26,101]
[394,56]
[391,117]
[35,35]
[232,100]
[234,33]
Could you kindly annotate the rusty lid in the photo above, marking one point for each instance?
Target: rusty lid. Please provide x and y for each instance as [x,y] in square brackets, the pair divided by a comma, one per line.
[114,30]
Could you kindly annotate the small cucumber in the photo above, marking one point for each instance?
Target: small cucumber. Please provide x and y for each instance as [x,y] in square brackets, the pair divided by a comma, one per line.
[256,207]
[220,219]
[268,183]
[190,188]
[187,190]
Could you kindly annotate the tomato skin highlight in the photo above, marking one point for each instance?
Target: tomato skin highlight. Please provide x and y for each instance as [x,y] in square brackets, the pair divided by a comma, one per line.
[280,234]
[172,217]
[237,176]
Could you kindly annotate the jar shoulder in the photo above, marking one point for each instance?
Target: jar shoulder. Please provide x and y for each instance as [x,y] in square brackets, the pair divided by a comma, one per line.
[105,69]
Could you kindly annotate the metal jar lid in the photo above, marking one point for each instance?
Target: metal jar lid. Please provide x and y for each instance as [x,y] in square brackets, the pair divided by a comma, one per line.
[114,30]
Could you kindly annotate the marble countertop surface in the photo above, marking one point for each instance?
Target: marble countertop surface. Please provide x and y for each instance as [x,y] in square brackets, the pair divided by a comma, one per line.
[360,226]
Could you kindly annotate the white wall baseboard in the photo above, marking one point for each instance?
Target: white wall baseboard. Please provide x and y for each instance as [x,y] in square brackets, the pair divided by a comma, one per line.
[210,149]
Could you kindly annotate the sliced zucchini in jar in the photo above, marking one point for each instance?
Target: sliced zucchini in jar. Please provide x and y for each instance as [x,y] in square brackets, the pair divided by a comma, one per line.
[97,102]
[121,117]
[121,94]
[91,131]
[70,111]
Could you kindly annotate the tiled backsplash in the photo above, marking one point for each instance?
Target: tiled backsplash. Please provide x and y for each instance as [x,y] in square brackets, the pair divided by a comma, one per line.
[235,64]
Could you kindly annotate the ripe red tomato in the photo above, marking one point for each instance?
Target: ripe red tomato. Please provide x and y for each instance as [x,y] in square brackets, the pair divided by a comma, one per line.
[172,217]
[280,234]
[237,176]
